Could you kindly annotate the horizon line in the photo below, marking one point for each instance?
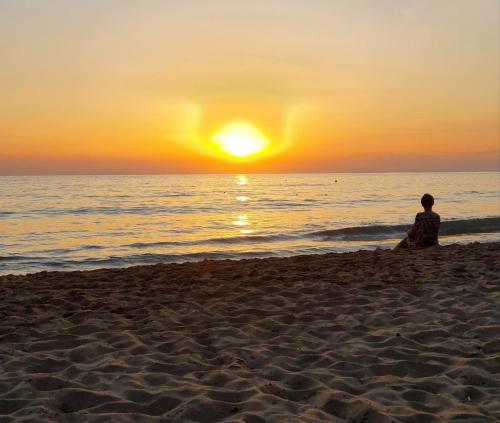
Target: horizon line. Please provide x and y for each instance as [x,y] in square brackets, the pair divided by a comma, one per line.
[247,173]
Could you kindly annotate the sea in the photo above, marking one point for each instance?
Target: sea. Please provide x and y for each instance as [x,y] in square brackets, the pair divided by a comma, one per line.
[87,222]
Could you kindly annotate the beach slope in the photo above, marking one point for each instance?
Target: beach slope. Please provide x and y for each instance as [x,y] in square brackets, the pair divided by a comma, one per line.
[361,337]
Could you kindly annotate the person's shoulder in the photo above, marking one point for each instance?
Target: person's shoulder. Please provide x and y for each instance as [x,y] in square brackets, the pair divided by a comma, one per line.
[434,216]
[427,215]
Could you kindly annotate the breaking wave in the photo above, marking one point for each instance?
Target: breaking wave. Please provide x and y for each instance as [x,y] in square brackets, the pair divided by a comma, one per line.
[379,232]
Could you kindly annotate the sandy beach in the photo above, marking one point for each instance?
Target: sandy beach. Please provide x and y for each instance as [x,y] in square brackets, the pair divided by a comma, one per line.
[359,337]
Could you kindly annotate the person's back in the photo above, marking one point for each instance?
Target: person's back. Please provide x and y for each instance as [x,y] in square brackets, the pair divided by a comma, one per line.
[426,229]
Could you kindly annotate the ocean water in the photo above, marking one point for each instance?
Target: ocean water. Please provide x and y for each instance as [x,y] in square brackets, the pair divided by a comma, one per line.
[86,222]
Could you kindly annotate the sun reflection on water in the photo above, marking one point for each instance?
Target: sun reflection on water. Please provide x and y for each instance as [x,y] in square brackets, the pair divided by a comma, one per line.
[242,220]
[241,179]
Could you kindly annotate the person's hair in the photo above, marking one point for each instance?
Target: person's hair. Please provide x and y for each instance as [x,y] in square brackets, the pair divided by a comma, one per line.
[427,201]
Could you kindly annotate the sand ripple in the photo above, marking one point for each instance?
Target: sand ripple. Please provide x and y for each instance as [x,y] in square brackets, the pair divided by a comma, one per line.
[361,337]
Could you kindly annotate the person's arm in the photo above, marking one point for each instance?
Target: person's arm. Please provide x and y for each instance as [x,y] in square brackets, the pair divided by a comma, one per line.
[413,231]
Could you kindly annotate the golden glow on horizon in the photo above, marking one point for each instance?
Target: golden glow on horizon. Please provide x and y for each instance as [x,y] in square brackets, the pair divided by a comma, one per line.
[133,98]
[240,140]
[211,129]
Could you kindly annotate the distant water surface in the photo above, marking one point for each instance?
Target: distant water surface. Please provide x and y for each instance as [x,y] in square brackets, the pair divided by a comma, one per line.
[85,222]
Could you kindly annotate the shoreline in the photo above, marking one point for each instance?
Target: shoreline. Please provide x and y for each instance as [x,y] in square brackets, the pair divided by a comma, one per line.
[375,336]
[187,258]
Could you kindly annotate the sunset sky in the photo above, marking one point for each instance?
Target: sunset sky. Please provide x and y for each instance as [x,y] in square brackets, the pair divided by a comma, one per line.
[144,86]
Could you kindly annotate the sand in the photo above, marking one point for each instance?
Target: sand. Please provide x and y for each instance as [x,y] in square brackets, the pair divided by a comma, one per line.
[407,336]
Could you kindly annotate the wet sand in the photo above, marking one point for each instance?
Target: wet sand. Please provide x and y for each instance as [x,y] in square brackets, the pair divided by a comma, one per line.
[360,337]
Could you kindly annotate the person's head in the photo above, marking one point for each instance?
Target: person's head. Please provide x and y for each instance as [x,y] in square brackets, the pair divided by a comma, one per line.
[427,201]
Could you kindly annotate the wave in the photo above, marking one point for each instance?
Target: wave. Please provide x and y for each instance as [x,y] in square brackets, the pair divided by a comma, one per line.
[470,226]
[243,239]
[231,247]
[15,258]
[379,232]
[46,263]
[157,244]
[110,210]
[250,239]
[355,233]
[360,233]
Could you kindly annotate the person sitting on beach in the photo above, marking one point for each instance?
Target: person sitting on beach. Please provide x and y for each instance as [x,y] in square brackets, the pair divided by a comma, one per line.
[424,232]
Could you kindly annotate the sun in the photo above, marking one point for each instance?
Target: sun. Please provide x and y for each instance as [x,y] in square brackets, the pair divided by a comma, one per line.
[240,140]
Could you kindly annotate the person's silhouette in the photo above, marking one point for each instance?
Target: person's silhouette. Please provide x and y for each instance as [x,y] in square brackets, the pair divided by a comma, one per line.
[424,232]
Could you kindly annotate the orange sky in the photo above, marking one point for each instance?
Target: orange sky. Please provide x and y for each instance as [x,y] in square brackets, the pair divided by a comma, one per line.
[140,87]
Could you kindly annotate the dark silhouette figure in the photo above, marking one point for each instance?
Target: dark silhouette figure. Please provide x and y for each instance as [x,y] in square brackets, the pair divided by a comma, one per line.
[424,232]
